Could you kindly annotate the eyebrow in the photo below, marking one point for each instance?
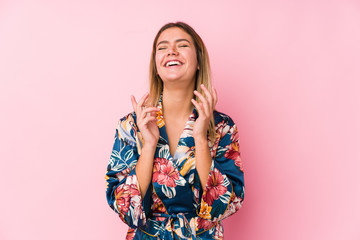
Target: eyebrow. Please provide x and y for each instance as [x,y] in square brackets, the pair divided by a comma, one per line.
[177,40]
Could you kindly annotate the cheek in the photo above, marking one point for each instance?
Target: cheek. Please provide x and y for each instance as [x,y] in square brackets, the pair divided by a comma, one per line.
[193,60]
[192,56]
[157,60]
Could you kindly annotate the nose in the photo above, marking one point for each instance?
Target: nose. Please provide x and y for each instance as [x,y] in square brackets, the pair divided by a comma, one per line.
[172,51]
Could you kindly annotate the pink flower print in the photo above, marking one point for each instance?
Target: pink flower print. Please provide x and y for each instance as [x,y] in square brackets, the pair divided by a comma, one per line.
[157,205]
[130,234]
[122,199]
[222,127]
[234,206]
[214,187]
[234,133]
[234,154]
[164,173]
[219,232]
[134,191]
[204,224]
[135,200]
[239,163]
[196,194]
[123,174]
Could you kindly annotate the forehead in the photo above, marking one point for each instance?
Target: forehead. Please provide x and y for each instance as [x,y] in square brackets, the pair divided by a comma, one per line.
[171,34]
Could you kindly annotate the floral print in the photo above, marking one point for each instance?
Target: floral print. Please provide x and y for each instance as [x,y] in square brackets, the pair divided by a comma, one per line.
[122,199]
[175,205]
[205,211]
[130,234]
[214,186]
[164,173]
[204,224]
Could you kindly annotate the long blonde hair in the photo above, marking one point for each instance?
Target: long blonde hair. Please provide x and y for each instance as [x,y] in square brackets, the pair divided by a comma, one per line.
[203,74]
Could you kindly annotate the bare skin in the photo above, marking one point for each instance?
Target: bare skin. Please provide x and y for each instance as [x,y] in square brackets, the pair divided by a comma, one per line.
[178,102]
[176,114]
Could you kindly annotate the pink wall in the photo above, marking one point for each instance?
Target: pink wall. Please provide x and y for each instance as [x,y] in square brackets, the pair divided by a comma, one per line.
[287,71]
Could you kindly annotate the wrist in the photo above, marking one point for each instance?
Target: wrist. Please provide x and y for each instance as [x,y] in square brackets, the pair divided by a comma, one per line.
[148,148]
[201,141]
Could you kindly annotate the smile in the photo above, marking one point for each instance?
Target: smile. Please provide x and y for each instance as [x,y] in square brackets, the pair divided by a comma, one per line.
[173,63]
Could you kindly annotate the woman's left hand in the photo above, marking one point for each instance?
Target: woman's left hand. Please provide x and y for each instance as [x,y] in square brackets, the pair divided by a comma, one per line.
[205,109]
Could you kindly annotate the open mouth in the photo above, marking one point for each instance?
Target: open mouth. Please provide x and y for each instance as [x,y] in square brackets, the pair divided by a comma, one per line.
[173,63]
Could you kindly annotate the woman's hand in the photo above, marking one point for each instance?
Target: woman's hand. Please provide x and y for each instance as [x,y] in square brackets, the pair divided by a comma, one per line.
[205,109]
[146,121]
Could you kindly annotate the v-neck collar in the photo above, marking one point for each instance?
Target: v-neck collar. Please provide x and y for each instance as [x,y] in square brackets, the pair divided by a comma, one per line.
[187,131]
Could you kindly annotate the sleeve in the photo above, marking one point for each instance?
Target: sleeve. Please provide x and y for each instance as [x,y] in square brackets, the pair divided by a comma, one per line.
[224,192]
[122,187]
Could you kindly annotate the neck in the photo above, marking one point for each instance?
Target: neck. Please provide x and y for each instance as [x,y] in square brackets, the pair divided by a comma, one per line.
[177,101]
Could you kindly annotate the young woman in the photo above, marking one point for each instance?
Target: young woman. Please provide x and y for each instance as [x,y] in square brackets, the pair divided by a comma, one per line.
[175,170]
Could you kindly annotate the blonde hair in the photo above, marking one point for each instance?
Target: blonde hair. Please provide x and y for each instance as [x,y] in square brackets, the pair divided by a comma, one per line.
[203,74]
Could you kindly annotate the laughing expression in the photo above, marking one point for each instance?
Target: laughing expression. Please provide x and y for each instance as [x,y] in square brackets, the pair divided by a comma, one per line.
[175,56]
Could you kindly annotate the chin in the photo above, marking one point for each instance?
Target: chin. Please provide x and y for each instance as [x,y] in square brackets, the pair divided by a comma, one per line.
[171,78]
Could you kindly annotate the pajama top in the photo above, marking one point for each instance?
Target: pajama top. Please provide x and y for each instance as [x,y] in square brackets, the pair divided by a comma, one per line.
[175,206]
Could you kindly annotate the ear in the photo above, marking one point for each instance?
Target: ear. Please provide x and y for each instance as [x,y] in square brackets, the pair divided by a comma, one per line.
[198,67]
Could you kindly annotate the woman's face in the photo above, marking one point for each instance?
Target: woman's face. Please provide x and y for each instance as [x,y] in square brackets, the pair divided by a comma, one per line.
[175,56]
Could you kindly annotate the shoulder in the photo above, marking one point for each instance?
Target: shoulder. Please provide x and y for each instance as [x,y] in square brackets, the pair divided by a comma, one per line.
[225,126]
[128,118]
[126,125]
[222,119]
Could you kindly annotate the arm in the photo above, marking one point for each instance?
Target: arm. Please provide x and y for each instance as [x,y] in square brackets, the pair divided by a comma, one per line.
[123,188]
[130,169]
[219,181]
[202,152]
[223,193]
[144,168]
[203,160]
[147,125]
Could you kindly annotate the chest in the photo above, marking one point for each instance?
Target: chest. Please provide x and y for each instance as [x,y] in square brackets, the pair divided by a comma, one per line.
[174,129]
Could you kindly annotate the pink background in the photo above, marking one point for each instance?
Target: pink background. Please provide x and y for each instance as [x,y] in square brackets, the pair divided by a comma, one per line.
[287,72]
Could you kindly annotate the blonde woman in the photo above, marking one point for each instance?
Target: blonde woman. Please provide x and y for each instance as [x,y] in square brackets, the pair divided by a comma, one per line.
[175,170]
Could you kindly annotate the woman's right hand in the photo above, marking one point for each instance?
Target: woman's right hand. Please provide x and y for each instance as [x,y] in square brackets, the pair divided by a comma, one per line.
[146,121]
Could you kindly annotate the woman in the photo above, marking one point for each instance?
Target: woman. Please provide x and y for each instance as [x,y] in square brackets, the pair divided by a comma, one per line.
[175,170]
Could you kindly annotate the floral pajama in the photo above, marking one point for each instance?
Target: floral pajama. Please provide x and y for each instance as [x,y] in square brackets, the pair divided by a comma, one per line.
[175,206]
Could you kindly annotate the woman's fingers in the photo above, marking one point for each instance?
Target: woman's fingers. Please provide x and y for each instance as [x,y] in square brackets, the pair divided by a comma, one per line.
[142,100]
[147,111]
[204,102]
[198,107]
[149,119]
[208,96]
[134,103]
[138,106]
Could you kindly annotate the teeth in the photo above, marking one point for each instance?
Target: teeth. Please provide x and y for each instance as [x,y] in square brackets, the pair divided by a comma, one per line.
[172,63]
